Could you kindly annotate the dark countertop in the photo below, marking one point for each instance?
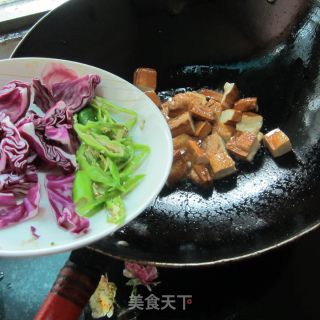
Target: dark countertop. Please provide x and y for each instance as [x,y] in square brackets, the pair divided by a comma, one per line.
[279,285]
[25,283]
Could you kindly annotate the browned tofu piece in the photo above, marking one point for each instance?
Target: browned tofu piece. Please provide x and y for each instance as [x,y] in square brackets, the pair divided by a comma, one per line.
[145,79]
[193,176]
[202,129]
[154,97]
[214,144]
[182,124]
[181,141]
[199,155]
[165,110]
[244,145]
[277,143]
[215,107]
[230,95]
[250,122]
[212,94]
[260,136]
[224,131]
[246,104]
[183,102]
[230,116]
[179,169]
[203,173]
[203,112]
[221,163]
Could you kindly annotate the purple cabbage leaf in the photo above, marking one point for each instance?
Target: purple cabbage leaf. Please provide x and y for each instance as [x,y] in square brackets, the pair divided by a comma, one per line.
[13,211]
[57,73]
[59,190]
[14,150]
[19,184]
[52,136]
[15,99]
[58,83]
[51,154]
[57,126]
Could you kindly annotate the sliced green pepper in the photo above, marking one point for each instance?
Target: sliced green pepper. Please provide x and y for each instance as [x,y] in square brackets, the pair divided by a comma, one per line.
[107,159]
[116,210]
[82,188]
[86,114]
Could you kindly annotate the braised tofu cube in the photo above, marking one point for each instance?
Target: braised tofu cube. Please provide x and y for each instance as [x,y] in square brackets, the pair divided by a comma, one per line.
[181,141]
[212,94]
[203,112]
[202,129]
[145,79]
[193,176]
[260,136]
[165,109]
[216,107]
[214,144]
[199,155]
[250,122]
[179,169]
[182,124]
[230,95]
[277,143]
[230,116]
[244,145]
[154,97]
[183,102]
[246,104]
[221,163]
[203,173]
[224,131]
[200,175]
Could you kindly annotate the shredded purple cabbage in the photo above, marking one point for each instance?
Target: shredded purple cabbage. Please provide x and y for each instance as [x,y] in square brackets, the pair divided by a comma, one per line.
[59,83]
[15,99]
[59,190]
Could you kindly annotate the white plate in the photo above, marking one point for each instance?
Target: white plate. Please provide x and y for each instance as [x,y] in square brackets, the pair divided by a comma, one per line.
[151,129]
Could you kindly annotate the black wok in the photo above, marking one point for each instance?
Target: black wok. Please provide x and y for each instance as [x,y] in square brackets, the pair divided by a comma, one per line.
[271,51]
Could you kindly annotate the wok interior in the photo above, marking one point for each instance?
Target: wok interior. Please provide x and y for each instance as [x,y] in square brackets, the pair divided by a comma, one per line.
[270,51]
[270,200]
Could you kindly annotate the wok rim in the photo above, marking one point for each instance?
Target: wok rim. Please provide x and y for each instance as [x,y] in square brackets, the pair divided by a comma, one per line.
[211,263]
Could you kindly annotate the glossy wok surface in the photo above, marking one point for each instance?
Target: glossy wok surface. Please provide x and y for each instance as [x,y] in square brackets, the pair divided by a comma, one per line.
[271,51]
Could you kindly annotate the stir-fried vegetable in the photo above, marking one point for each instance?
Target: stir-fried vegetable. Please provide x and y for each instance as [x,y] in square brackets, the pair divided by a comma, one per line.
[107,159]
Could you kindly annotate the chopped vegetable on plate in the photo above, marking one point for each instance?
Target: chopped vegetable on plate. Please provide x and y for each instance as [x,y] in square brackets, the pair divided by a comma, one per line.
[72,135]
